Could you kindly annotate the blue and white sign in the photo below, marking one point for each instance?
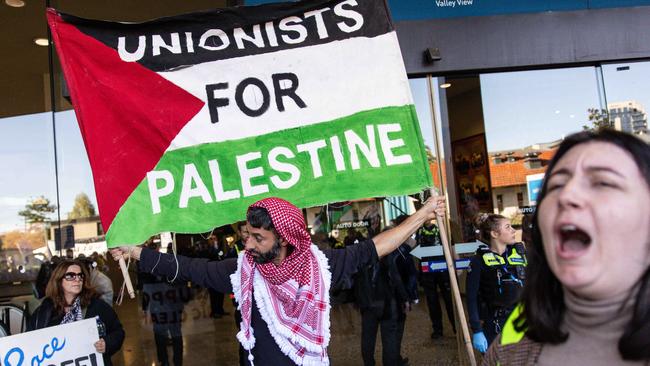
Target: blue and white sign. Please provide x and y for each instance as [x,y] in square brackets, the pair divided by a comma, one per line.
[437,9]
[68,344]
[534,186]
[441,266]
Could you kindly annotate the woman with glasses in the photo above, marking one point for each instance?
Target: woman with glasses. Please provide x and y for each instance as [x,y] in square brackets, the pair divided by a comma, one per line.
[69,297]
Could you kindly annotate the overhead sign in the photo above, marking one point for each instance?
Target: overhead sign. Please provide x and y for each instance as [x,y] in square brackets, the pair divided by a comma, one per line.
[68,344]
[436,9]
[352,224]
[187,120]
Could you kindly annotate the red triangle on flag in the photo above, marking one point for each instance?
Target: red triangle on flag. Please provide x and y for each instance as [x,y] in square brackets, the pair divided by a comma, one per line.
[128,114]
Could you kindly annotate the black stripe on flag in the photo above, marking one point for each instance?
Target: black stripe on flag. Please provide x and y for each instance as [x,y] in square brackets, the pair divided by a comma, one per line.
[167,43]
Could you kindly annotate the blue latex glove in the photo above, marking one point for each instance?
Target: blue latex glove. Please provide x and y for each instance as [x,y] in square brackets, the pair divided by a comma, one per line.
[480,342]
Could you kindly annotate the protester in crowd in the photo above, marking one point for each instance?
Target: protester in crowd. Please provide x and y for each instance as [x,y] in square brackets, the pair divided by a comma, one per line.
[99,281]
[408,274]
[101,262]
[495,278]
[43,277]
[380,308]
[164,302]
[215,252]
[69,253]
[69,298]
[383,300]
[432,282]
[353,237]
[233,248]
[587,296]
[283,276]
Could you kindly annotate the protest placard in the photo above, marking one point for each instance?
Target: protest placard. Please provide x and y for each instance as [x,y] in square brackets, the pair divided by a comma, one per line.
[189,119]
[69,344]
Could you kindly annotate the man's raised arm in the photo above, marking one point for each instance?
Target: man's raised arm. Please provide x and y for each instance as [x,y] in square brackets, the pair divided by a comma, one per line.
[389,240]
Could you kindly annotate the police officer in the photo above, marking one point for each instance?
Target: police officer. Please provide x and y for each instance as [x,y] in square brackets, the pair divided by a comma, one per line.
[431,282]
[495,278]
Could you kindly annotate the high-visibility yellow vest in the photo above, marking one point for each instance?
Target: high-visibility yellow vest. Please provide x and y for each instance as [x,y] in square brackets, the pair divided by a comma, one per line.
[510,335]
[490,259]
[516,259]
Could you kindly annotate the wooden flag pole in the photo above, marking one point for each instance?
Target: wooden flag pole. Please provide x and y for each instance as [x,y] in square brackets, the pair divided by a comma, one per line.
[451,268]
[127,278]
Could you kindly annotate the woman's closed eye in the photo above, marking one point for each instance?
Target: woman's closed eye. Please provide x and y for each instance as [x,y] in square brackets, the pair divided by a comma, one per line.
[554,184]
[604,182]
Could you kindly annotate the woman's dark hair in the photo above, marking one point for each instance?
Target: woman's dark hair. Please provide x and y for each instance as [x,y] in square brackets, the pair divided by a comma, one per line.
[54,288]
[542,297]
[258,217]
[486,223]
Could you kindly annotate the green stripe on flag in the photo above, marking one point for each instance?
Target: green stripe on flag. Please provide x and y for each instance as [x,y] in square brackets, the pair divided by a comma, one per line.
[192,170]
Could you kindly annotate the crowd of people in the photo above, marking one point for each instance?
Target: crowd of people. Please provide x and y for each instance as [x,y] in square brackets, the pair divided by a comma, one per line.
[577,293]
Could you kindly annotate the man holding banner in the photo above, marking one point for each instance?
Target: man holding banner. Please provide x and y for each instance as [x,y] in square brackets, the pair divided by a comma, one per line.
[282,281]
[190,119]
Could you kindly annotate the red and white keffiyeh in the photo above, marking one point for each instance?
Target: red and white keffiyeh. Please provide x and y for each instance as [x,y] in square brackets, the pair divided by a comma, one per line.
[292,298]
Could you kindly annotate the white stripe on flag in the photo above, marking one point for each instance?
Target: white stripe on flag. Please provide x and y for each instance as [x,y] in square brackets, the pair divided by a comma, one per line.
[330,85]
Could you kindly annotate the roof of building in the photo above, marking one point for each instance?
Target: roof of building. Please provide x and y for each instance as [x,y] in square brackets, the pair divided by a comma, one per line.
[514,173]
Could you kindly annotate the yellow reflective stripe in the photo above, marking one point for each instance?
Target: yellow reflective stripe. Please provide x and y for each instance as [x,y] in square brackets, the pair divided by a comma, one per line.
[510,335]
[492,260]
[428,232]
[515,259]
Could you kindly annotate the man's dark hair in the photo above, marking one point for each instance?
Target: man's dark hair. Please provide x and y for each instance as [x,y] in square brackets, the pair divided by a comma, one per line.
[258,217]
[542,297]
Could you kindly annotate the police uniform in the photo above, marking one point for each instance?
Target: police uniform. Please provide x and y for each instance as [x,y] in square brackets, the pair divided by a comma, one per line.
[494,283]
[431,282]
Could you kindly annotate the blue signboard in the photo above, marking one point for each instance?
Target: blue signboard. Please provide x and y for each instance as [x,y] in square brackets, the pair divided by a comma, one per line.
[534,185]
[437,9]
[441,266]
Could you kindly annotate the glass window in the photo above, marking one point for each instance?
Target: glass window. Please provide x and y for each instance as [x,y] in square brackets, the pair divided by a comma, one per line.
[626,87]
[27,199]
[504,130]
[500,202]
[526,115]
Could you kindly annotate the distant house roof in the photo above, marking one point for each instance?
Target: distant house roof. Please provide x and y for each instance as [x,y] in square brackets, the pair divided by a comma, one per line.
[514,173]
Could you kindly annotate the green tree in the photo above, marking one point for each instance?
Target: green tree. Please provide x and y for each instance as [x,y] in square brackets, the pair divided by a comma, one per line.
[430,157]
[37,210]
[598,120]
[82,207]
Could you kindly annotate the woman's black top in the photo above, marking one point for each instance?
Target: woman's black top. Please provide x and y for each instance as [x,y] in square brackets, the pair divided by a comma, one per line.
[44,316]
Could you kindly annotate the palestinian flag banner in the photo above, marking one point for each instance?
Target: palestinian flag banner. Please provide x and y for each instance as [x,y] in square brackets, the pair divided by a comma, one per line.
[189,119]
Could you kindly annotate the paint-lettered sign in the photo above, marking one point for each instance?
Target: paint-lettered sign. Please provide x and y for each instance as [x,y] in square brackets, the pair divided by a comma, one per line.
[307,101]
[68,344]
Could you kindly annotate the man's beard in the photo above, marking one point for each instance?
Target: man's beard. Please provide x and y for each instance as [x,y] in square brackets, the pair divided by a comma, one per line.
[268,257]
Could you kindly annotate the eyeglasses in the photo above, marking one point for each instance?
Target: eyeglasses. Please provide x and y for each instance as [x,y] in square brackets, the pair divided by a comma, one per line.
[71,276]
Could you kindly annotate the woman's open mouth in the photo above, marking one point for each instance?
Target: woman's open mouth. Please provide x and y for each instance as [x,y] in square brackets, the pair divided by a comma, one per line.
[574,241]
